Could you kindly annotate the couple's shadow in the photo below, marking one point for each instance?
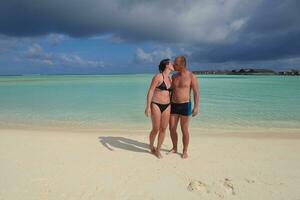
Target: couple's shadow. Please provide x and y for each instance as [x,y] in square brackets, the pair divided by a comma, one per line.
[112,142]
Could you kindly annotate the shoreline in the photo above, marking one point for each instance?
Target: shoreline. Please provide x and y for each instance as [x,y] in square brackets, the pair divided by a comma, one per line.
[248,133]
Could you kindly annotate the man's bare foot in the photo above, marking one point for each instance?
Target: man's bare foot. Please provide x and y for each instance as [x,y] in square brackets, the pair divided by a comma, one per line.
[184,155]
[152,149]
[158,154]
[173,150]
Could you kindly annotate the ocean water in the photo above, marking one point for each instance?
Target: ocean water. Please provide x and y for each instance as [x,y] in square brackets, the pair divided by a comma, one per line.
[92,102]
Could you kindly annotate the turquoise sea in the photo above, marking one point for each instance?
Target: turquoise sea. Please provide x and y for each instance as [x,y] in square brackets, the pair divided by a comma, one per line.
[92,102]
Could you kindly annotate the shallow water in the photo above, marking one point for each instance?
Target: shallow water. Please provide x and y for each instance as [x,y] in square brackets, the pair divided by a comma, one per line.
[230,102]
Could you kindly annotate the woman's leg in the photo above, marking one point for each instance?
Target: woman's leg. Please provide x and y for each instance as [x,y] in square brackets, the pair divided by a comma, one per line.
[155,117]
[164,121]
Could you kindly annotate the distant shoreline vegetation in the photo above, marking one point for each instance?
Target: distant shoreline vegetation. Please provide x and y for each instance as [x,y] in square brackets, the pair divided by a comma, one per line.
[249,71]
[242,71]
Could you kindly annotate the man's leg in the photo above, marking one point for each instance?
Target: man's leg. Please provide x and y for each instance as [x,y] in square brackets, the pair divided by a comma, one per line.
[174,118]
[184,123]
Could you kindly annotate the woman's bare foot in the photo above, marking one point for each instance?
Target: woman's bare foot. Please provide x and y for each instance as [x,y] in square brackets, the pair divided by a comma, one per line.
[173,150]
[158,154]
[184,155]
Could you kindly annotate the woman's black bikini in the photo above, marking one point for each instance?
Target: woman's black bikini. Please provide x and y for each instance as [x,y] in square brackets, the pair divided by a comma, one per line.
[163,86]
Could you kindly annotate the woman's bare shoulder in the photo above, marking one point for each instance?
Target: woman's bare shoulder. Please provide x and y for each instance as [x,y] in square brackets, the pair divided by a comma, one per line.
[157,76]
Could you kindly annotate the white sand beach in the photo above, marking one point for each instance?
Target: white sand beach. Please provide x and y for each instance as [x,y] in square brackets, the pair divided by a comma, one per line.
[73,165]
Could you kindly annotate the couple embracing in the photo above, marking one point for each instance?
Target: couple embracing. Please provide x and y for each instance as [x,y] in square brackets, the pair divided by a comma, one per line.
[169,101]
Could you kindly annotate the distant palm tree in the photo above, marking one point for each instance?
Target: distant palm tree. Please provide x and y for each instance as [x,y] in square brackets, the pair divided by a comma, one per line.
[242,71]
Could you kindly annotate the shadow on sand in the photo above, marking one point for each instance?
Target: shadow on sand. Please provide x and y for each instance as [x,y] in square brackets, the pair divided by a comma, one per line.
[111,142]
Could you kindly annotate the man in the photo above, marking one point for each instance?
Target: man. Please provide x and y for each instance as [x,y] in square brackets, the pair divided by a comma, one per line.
[181,107]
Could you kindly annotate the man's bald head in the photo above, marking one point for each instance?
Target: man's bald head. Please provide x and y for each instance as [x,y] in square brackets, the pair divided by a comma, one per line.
[180,61]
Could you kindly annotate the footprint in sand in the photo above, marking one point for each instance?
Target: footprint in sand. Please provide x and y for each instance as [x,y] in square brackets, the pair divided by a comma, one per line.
[199,186]
[249,180]
[229,186]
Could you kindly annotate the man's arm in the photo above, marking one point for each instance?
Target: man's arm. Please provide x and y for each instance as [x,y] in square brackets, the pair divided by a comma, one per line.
[196,94]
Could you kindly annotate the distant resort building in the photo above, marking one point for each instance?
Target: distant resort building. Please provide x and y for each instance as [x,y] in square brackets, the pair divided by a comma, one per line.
[248,71]
[290,72]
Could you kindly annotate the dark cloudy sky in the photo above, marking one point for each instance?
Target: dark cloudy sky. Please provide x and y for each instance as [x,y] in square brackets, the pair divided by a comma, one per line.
[132,36]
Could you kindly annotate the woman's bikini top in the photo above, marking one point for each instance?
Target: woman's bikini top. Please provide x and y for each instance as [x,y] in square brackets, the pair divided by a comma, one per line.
[163,85]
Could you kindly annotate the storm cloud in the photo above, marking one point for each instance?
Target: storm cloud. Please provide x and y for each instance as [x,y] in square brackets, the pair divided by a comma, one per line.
[213,31]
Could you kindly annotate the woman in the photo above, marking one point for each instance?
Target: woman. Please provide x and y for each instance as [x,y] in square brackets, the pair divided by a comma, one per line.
[158,105]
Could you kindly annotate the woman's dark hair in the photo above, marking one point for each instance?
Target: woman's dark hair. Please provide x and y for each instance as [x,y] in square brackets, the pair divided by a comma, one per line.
[163,64]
